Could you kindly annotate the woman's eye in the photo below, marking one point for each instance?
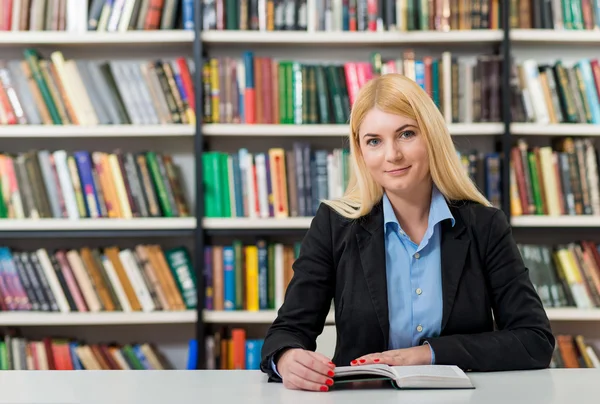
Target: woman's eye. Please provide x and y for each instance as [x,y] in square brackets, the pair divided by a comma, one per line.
[372,142]
[407,135]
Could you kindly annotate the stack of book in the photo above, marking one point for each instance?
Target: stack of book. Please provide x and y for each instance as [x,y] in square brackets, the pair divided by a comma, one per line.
[19,353]
[565,275]
[83,184]
[264,90]
[52,90]
[247,277]
[231,349]
[145,278]
[574,352]
[561,179]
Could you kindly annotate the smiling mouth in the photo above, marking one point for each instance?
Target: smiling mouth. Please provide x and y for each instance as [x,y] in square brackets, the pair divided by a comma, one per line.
[398,170]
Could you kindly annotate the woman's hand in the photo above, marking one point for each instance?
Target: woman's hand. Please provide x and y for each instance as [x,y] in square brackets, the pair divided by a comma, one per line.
[418,355]
[305,370]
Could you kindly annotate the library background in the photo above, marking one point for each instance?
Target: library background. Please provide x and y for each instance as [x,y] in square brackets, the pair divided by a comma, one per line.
[160,160]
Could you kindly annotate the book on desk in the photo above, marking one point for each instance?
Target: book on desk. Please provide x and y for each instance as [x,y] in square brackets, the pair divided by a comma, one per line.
[406,377]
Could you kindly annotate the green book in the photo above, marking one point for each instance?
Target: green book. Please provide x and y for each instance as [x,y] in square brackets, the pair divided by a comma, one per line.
[32,58]
[180,266]
[159,185]
[535,183]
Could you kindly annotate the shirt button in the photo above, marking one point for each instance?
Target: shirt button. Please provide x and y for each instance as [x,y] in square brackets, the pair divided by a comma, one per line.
[419,291]
[419,328]
[417,255]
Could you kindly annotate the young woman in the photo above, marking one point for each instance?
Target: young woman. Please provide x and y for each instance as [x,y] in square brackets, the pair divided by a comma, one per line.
[420,266]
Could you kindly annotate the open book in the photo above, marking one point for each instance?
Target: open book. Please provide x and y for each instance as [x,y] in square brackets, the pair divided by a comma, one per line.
[407,377]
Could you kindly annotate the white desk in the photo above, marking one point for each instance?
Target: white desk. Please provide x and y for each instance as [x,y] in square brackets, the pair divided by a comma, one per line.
[576,386]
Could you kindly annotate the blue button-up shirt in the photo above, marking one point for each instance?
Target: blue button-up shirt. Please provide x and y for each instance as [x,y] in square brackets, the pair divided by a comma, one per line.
[414,277]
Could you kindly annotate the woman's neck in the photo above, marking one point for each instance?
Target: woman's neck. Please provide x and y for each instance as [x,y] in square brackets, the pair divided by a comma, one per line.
[412,210]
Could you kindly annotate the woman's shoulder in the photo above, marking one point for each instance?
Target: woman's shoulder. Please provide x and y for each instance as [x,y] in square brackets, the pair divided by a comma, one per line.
[479,216]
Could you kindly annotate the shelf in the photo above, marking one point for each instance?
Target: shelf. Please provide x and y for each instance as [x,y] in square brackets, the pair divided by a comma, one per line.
[21,319]
[100,131]
[237,223]
[145,224]
[573,314]
[154,38]
[553,36]
[555,221]
[351,39]
[267,316]
[328,130]
[240,316]
[564,129]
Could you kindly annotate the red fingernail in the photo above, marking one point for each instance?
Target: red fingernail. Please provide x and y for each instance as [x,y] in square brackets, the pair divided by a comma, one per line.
[362,361]
[353,362]
[375,360]
[330,373]
[331,363]
[324,388]
[329,382]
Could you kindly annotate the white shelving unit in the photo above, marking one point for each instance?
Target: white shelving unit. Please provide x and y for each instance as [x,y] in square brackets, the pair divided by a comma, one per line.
[352,39]
[329,130]
[551,37]
[565,129]
[555,221]
[58,38]
[24,319]
[217,223]
[100,131]
[97,224]
[267,316]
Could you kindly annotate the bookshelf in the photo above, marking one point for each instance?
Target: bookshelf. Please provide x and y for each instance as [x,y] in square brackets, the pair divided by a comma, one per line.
[97,131]
[320,130]
[198,137]
[118,39]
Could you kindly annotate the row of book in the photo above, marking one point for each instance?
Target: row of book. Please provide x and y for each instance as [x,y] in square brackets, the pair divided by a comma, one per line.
[20,353]
[78,16]
[561,179]
[257,89]
[231,349]
[574,351]
[352,15]
[248,277]
[555,14]
[292,183]
[83,184]
[547,93]
[53,90]
[144,278]
[565,275]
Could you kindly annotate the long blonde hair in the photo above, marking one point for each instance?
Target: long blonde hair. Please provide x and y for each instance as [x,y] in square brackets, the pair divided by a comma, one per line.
[399,95]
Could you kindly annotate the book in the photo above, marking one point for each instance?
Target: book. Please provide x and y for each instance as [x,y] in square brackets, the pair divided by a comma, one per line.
[407,377]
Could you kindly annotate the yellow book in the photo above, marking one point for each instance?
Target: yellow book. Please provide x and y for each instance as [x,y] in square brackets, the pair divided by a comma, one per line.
[515,201]
[251,253]
[214,85]
[550,181]
[120,186]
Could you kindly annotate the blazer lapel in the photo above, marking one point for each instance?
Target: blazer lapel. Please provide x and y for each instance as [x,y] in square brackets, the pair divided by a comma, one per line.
[453,253]
[371,245]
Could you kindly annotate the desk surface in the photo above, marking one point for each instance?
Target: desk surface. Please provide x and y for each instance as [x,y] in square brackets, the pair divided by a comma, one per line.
[575,386]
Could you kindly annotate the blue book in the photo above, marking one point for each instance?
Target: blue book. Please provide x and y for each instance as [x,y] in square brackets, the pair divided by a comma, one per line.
[187,15]
[192,355]
[253,349]
[263,270]
[228,278]
[590,89]
[420,73]
[74,358]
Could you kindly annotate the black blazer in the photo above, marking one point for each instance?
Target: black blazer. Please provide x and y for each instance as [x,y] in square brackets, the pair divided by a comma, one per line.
[482,272]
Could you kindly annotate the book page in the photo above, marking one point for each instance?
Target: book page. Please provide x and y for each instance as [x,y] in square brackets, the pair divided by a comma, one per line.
[435,371]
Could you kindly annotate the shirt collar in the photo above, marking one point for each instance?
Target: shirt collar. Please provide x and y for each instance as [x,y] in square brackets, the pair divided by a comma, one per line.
[438,211]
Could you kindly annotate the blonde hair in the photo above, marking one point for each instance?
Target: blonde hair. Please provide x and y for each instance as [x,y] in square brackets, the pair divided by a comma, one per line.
[399,95]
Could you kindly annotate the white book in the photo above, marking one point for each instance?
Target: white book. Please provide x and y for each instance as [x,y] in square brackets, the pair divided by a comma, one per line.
[136,279]
[60,160]
[111,273]
[407,377]
[53,282]
[261,182]
[279,275]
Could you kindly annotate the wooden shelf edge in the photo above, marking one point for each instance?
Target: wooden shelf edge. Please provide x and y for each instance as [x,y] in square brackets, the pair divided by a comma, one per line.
[14,319]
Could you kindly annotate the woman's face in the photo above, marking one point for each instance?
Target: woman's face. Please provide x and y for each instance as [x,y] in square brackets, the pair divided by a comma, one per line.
[394,151]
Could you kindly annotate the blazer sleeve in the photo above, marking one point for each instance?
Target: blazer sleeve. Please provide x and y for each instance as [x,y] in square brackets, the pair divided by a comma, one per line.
[524,338]
[307,301]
